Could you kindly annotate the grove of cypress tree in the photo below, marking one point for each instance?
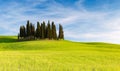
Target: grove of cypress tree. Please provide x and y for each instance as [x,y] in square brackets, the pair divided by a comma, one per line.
[42,31]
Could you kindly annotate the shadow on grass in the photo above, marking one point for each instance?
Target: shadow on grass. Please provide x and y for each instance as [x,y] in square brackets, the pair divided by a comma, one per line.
[96,43]
[7,40]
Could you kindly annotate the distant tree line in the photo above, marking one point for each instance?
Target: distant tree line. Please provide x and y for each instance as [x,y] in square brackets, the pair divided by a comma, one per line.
[42,31]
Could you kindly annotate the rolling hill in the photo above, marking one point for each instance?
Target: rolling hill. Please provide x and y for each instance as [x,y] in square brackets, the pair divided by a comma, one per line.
[53,55]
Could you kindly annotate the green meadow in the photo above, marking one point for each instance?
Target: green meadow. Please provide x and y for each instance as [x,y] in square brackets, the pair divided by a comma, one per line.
[53,55]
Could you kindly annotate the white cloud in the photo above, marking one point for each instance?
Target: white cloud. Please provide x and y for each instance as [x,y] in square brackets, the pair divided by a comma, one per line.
[111,37]
[100,26]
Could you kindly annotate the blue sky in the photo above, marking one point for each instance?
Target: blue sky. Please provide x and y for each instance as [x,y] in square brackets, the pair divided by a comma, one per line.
[83,20]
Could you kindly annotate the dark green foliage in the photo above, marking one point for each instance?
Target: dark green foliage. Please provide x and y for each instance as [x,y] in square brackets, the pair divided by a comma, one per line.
[48,30]
[22,32]
[18,36]
[28,28]
[54,34]
[61,32]
[32,30]
[46,36]
[38,31]
[31,34]
[42,31]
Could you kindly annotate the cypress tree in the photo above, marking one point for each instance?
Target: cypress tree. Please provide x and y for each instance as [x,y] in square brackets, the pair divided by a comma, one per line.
[61,32]
[48,30]
[33,30]
[42,31]
[54,34]
[22,32]
[38,30]
[28,28]
[18,36]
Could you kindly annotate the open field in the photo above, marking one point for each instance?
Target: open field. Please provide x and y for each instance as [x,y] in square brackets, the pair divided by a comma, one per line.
[51,55]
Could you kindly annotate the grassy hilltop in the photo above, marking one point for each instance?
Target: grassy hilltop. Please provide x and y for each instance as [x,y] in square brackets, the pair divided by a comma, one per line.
[53,55]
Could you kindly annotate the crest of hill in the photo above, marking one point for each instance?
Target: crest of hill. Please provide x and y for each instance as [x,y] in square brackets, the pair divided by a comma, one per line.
[11,43]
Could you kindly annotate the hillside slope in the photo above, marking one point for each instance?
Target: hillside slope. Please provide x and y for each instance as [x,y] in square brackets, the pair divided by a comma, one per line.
[51,55]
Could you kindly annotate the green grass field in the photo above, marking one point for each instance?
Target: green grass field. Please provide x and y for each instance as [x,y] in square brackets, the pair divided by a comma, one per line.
[51,55]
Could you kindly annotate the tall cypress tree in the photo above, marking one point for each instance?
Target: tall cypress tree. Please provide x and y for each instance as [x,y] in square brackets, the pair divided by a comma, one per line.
[48,30]
[28,28]
[22,32]
[54,34]
[33,30]
[42,31]
[18,36]
[38,30]
[61,32]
